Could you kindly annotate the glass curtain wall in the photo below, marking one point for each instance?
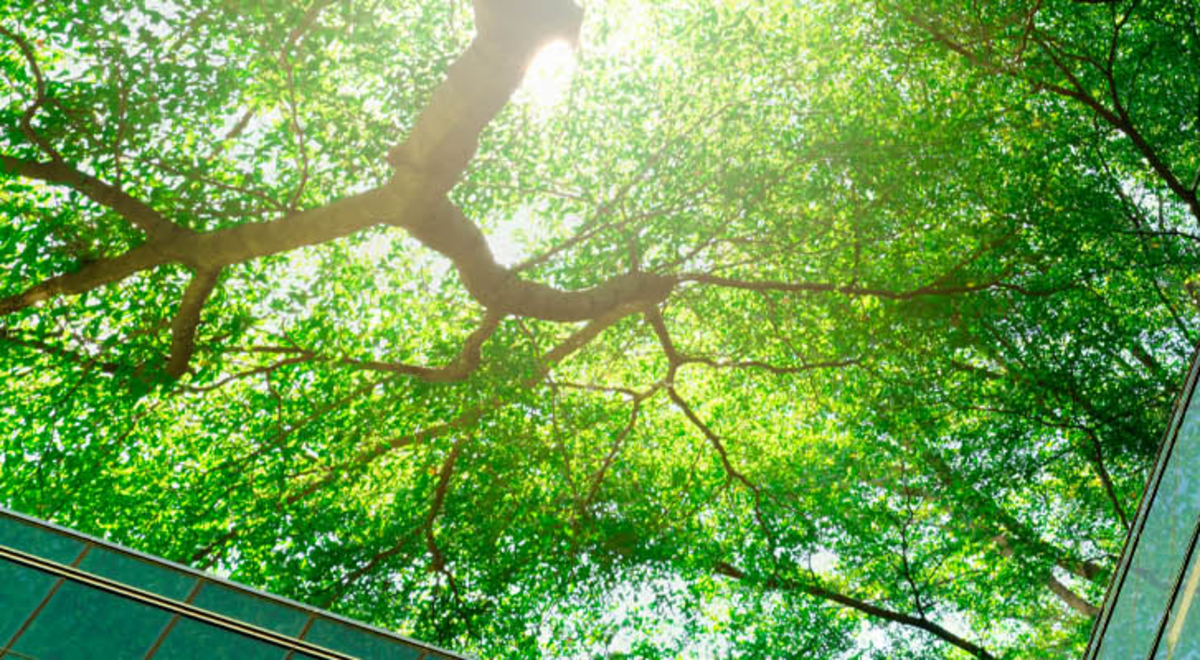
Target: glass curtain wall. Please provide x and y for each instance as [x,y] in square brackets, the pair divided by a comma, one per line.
[1151,611]
[66,596]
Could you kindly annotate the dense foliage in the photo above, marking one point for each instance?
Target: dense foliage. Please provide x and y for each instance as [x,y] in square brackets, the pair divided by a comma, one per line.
[825,329]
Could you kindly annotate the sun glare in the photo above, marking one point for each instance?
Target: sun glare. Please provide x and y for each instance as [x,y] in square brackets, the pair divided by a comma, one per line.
[549,76]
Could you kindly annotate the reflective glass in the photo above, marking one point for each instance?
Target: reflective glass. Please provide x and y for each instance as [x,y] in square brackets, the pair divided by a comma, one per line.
[364,644]
[194,640]
[38,541]
[134,572]
[1160,552]
[81,622]
[21,589]
[1181,636]
[251,609]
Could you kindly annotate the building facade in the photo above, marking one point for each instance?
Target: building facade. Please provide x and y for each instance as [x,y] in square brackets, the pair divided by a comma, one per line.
[1151,612]
[68,596]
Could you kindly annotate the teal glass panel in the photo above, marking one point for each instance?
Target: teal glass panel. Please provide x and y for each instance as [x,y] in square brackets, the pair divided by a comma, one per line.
[194,640]
[1181,636]
[1161,550]
[364,644]
[81,622]
[21,589]
[255,610]
[134,572]
[38,541]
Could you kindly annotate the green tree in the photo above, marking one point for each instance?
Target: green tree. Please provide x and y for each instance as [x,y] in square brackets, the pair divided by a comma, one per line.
[783,330]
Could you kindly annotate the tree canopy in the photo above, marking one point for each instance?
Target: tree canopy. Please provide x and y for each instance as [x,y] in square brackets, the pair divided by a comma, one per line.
[644,329]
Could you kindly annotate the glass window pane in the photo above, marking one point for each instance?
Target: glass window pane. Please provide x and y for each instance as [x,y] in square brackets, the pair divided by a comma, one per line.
[82,622]
[340,637]
[1161,550]
[195,640]
[38,541]
[137,573]
[1181,637]
[251,609]
[21,589]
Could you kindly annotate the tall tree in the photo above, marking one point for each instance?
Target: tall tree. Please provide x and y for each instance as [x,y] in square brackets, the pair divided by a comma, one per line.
[830,330]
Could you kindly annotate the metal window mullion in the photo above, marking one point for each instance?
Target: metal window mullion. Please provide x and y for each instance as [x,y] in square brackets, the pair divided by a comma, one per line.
[162,602]
[1133,537]
[1180,576]
[358,626]
[312,618]
[7,648]
[162,636]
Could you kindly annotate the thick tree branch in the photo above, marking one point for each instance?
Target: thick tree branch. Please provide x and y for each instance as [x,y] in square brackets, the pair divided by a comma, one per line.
[138,213]
[428,163]
[815,590]
[91,276]
[187,319]
[58,171]
[478,84]
[446,230]
[1064,593]
[1072,599]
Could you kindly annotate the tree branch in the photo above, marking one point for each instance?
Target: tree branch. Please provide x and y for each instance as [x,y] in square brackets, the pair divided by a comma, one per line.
[428,162]
[1117,119]
[91,276]
[1064,593]
[758,364]
[467,361]
[187,319]
[368,455]
[654,317]
[815,590]
[846,289]
[11,337]
[985,505]
[478,84]
[439,499]
[138,213]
